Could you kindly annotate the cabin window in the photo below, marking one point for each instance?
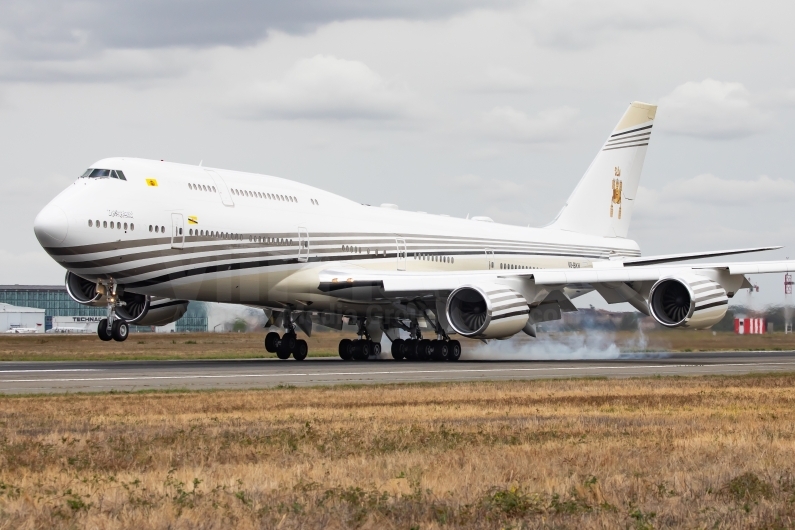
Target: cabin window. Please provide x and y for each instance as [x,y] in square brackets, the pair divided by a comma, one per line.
[157,229]
[132,226]
[90,223]
[125,226]
[97,223]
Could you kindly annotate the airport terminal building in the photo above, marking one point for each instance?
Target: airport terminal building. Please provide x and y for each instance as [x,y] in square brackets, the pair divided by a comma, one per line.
[56,303]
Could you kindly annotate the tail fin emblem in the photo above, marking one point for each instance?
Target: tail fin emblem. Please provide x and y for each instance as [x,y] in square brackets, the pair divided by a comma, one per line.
[617,188]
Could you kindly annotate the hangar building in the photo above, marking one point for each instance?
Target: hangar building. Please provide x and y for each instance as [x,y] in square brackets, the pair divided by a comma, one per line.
[22,318]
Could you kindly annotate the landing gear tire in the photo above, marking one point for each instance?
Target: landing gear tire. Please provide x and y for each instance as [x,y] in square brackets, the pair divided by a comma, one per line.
[375,349]
[289,341]
[440,350]
[361,350]
[410,350]
[424,350]
[271,342]
[453,350]
[301,350]
[102,330]
[397,349]
[120,330]
[282,352]
[345,349]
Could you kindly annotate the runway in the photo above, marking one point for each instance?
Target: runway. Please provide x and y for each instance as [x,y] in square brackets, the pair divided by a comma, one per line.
[102,376]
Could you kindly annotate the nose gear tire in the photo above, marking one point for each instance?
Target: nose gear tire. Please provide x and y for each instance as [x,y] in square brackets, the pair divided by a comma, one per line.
[102,330]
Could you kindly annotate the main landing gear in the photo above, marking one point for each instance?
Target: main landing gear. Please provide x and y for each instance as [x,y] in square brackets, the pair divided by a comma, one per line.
[418,349]
[362,348]
[288,344]
[426,350]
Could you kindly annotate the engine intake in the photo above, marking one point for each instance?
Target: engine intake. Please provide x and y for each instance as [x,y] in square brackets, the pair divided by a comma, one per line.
[487,311]
[84,291]
[688,301]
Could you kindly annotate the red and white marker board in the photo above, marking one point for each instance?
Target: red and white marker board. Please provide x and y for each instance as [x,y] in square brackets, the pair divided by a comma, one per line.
[749,326]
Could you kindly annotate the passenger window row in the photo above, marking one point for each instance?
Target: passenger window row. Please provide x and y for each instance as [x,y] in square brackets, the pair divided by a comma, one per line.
[93,173]
[510,266]
[239,237]
[431,257]
[157,229]
[112,224]
[359,250]
[315,202]
[261,195]
[201,187]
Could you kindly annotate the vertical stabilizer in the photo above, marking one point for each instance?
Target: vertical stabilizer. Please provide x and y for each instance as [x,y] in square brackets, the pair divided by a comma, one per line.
[602,202]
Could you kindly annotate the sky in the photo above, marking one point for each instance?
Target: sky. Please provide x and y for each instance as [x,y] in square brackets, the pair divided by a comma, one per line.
[452,107]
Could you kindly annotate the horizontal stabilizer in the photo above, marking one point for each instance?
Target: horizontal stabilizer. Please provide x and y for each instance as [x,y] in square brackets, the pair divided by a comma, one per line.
[670,258]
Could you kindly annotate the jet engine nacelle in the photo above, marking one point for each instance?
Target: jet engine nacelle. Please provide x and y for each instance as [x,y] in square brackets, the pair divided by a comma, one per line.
[487,311]
[689,301]
[134,308]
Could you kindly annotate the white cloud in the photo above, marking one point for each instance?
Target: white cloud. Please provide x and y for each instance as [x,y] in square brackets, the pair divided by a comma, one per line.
[507,123]
[709,192]
[712,109]
[324,87]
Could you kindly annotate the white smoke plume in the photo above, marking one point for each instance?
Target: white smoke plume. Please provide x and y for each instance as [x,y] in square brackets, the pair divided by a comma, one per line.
[584,345]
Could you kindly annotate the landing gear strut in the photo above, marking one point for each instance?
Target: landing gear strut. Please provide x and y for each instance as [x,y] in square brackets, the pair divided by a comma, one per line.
[288,344]
[362,348]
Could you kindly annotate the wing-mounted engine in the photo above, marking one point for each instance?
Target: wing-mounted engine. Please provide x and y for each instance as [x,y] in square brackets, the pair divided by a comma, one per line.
[163,311]
[133,308]
[689,301]
[487,311]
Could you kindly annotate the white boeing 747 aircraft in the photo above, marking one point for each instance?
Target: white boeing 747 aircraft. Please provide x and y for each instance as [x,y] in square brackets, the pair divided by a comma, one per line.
[143,238]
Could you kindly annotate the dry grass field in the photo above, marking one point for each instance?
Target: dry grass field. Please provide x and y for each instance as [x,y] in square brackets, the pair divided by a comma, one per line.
[250,345]
[712,452]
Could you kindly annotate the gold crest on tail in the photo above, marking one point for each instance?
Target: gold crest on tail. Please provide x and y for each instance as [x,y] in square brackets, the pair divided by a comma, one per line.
[617,187]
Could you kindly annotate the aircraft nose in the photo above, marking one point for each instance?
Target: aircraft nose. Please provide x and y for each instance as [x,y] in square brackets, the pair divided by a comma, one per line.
[51,226]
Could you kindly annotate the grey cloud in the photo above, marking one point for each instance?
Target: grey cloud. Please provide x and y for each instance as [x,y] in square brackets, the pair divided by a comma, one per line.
[50,29]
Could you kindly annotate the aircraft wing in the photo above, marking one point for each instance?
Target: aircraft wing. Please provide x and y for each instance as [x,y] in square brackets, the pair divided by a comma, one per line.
[669,258]
[342,279]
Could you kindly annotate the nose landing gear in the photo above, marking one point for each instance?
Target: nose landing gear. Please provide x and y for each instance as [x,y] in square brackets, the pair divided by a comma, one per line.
[113,327]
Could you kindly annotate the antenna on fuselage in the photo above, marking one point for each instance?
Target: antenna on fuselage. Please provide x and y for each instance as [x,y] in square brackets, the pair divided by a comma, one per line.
[200,162]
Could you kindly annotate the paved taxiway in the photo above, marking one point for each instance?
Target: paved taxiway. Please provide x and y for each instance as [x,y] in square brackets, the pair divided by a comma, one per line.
[96,376]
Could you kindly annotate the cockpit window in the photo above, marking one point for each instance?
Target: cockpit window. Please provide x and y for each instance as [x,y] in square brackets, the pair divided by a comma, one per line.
[93,173]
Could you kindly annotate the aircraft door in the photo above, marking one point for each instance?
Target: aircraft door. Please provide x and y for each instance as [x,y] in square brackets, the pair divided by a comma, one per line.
[489,258]
[220,186]
[177,231]
[401,254]
[303,244]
